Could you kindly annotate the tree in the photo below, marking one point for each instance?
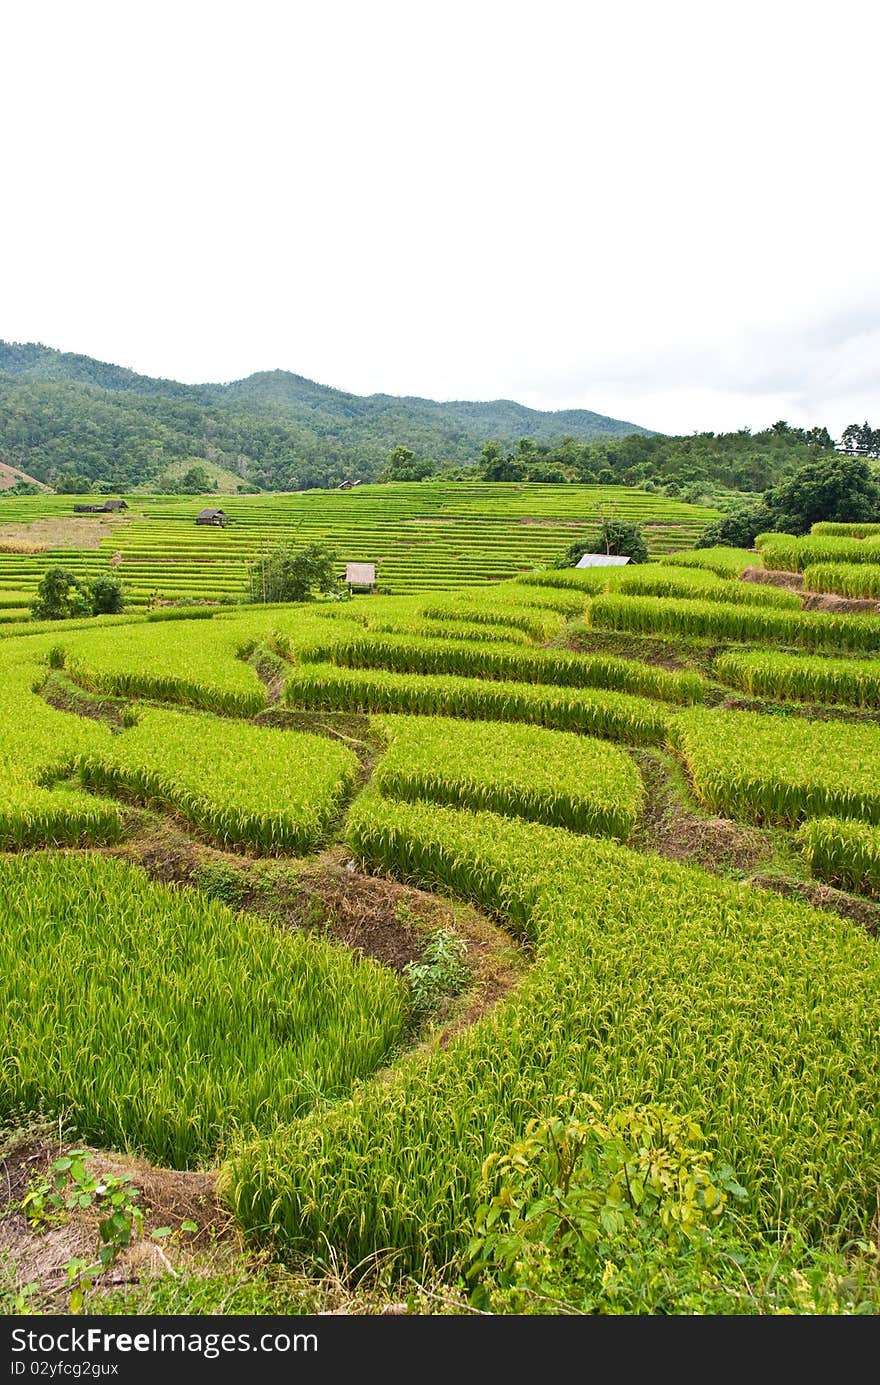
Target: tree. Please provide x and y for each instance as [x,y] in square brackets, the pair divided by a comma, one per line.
[108,598]
[498,467]
[196,481]
[624,538]
[738,529]
[838,488]
[404,465]
[820,438]
[61,595]
[71,483]
[288,574]
[617,536]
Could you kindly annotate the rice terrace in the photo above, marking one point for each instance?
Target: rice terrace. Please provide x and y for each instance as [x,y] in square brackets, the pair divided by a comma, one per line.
[499,940]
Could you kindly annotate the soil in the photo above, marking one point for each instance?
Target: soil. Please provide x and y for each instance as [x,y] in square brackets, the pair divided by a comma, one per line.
[65,696]
[9,475]
[673,830]
[328,894]
[812,601]
[272,673]
[643,648]
[741,702]
[839,605]
[848,906]
[168,1198]
[773,577]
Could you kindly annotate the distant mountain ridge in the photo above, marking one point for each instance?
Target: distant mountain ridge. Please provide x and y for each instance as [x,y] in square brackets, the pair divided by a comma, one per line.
[62,412]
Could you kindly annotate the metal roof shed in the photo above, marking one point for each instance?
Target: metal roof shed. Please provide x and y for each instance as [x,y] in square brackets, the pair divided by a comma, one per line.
[601,560]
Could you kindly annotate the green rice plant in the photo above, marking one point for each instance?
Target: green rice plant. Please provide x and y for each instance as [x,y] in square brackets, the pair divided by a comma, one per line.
[33,817]
[744,624]
[803,677]
[182,613]
[39,746]
[780,769]
[724,562]
[539,624]
[846,531]
[565,603]
[155,661]
[471,659]
[427,539]
[792,554]
[754,1015]
[645,581]
[156,1021]
[439,630]
[843,852]
[588,580]
[521,771]
[517,597]
[246,786]
[614,715]
[32,628]
[857,580]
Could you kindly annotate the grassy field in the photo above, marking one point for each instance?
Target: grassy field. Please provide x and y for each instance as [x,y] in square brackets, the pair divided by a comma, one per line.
[488,948]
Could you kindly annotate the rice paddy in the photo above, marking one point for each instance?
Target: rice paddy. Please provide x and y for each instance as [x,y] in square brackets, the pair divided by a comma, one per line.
[498,732]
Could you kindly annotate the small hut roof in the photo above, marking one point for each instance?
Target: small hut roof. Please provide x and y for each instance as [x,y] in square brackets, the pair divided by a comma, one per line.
[360,574]
[210,514]
[601,560]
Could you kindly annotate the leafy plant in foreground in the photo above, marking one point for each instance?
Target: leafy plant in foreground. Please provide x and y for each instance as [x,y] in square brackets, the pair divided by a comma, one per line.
[441,972]
[597,1214]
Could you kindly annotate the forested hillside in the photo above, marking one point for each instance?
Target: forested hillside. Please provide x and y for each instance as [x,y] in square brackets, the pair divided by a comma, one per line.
[68,414]
[73,422]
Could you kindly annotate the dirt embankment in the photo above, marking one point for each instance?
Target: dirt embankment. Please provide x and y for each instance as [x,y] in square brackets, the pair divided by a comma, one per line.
[771,577]
[813,601]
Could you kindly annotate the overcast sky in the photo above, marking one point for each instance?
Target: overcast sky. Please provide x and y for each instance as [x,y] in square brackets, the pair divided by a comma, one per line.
[664,212]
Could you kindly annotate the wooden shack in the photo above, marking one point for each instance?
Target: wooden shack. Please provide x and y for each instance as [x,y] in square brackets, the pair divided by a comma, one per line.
[109,507]
[219,518]
[359,576]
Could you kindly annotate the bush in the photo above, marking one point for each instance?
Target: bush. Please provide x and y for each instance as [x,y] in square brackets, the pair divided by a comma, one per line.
[62,595]
[599,1214]
[739,529]
[107,596]
[286,574]
[616,536]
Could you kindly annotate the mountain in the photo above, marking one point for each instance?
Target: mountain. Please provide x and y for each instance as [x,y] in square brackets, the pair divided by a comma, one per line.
[63,414]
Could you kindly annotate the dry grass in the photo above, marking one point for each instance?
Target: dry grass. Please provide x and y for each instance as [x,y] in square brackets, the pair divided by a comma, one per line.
[73,531]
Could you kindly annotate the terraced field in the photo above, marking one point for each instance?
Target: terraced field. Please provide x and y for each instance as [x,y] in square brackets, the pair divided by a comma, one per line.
[424,537]
[659,805]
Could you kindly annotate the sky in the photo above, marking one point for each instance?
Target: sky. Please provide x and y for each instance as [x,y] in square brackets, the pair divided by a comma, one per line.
[663,212]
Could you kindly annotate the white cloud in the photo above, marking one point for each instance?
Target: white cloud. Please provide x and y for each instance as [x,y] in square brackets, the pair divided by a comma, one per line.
[663,212]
